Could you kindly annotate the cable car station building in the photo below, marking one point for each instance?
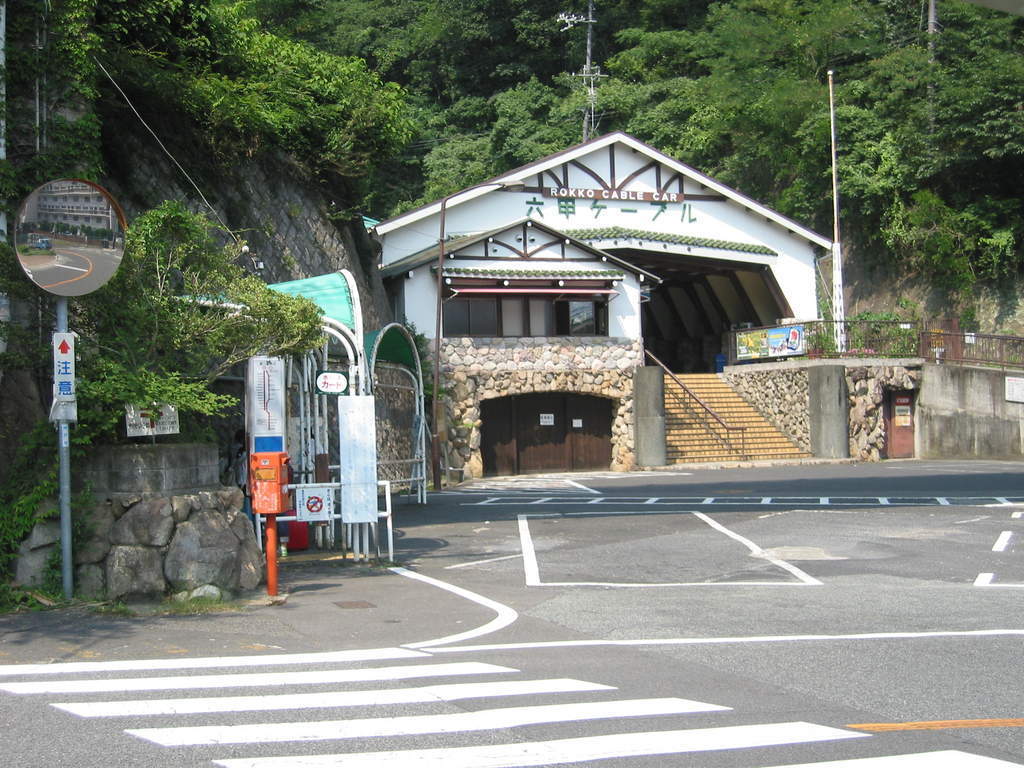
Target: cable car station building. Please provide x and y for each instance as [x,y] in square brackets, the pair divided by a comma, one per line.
[558,276]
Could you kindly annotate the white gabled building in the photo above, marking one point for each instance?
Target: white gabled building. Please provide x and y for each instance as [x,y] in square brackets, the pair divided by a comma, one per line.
[559,275]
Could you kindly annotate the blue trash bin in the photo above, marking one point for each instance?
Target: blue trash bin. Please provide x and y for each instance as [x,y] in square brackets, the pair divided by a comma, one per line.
[719,363]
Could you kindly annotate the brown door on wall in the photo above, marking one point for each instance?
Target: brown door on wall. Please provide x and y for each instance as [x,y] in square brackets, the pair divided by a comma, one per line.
[498,436]
[540,433]
[590,436]
[545,433]
[899,424]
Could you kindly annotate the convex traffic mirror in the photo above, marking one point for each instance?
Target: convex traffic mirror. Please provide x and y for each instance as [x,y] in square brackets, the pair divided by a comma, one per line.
[69,236]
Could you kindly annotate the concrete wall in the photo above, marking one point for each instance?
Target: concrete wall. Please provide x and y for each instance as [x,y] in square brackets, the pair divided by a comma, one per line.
[154,468]
[828,411]
[963,413]
[649,395]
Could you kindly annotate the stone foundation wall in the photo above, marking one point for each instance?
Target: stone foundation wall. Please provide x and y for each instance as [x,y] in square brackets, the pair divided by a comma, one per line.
[781,395]
[866,385]
[478,369]
[162,524]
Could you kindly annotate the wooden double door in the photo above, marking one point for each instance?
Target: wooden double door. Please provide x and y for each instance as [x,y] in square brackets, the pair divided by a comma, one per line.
[545,432]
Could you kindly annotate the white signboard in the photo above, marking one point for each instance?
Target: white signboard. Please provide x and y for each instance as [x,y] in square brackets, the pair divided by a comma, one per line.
[357,429]
[148,421]
[64,367]
[547,419]
[577,423]
[331,382]
[1015,389]
[314,505]
[265,409]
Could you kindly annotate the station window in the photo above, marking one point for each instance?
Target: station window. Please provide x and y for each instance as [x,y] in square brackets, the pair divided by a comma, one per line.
[514,317]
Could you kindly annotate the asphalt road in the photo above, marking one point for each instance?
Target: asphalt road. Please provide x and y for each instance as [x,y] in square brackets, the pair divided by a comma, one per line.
[864,616]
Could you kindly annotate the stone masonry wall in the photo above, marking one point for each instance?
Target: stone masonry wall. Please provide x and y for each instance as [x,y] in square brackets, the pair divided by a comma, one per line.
[780,392]
[780,395]
[478,369]
[190,545]
[866,385]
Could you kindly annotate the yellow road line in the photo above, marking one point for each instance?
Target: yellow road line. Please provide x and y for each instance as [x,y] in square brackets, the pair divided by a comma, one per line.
[938,725]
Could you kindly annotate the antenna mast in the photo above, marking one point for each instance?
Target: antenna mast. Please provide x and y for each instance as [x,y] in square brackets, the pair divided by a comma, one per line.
[590,73]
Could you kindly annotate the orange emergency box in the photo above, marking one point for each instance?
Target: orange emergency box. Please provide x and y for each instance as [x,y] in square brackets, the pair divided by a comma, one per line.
[268,478]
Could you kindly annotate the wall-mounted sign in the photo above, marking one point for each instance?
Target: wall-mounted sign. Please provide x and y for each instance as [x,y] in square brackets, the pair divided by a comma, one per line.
[152,420]
[314,504]
[577,423]
[264,406]
[782,341]
[632,195]
[547,419]
[1015,389]
[331,383]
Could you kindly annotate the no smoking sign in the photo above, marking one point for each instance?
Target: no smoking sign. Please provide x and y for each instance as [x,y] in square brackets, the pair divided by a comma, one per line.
[314,504]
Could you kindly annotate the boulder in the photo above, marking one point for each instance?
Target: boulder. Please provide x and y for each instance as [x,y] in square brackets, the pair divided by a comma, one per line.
[99,521]
[134,571]
[148,523]
[204,550]
[90,582]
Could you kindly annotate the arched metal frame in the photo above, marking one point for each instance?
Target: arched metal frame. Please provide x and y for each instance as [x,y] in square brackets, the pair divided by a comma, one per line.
[417,476]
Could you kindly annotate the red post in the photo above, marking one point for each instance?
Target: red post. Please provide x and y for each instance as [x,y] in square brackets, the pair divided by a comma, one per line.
[271,531]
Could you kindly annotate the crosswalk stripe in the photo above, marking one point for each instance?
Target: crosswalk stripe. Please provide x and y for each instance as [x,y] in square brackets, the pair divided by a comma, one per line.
[522,754]
[210,662]
[447,692]
[942,759]
[482,720]
[257,679]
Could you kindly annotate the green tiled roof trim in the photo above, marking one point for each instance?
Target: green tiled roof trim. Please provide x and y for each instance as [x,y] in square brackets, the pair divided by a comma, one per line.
[599,274]
[621,233]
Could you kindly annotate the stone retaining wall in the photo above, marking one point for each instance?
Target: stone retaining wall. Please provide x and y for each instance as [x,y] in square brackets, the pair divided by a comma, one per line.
[478,369]
[781,395]
[866,385]
[780,392]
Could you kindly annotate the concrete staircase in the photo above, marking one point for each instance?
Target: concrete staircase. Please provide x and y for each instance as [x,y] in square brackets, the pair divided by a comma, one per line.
[694,435]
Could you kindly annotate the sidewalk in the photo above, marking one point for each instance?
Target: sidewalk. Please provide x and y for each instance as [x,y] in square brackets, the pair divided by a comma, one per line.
[331,604]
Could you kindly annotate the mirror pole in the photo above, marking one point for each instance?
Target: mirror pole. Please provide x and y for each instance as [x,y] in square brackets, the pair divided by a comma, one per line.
[64,457]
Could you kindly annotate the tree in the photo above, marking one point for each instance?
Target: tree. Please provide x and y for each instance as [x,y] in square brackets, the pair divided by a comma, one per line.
[179,313]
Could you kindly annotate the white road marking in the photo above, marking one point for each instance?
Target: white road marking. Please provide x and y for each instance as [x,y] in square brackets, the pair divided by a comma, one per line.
[1002,542]
[757,551]
[589,748]
[256,679]
[264,703]
[377,727]
[581,486]
[1017,515]
[531,569]
[972,520]
[738,640]
[505,615]
[265,660]
[944,759]
[482,562]
[844,502]
[988,580]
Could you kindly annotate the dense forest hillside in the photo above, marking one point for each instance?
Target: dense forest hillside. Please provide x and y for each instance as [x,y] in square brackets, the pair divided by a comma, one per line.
[389,103]
[930,120]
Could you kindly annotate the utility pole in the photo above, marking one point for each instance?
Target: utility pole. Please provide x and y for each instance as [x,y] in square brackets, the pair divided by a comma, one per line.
[590,73]
[838,303]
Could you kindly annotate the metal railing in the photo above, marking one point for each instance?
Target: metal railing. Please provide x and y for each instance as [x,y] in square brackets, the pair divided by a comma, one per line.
[863,338]
[882,338]
[704,416]
[972,348]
